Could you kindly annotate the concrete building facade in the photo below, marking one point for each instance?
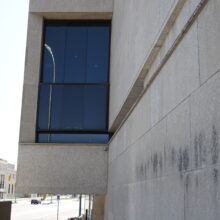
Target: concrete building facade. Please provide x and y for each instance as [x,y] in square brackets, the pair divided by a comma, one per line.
[162,161]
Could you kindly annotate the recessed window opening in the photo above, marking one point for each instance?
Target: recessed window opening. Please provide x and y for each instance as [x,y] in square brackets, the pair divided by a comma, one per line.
[74,84]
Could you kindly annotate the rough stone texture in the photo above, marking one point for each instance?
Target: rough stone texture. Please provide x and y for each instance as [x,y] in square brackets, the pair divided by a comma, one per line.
[62,169]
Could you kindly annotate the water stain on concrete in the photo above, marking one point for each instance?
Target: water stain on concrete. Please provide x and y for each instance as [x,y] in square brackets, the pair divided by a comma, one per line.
[196,152]
[161,163]
[180,161]
[155,163]
[183,160]
[202,149]
[197,181]
[214,149]
[187,183]
[215,175]
[173,157]
[185,157]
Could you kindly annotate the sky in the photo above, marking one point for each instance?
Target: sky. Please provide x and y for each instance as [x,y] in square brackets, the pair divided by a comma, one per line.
[13,31]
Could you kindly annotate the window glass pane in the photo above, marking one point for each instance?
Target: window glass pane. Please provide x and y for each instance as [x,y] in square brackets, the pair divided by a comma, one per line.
[75,55]
[73,138]
[43,107]
[74,52]
[97,54]
[43,138]
[95,108]
[76,107]
[54,54]
[73,107]
[67,107]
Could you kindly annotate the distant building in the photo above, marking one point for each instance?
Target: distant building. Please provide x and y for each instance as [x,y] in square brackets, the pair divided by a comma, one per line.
[7,179]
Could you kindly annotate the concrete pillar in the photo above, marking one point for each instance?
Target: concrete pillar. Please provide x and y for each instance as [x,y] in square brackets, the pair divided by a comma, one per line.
[98,207]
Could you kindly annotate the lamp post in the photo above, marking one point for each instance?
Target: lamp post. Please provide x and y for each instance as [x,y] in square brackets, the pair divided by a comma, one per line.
[50,93]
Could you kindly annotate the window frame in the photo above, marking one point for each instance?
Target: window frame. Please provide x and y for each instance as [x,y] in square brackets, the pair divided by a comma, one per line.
[100,22]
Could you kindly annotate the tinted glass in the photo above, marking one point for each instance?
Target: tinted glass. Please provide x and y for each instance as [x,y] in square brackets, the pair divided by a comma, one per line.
[73,93]
[73,107]
[43,107]
[76,54]
[97,54]
[54,54]
[73,138]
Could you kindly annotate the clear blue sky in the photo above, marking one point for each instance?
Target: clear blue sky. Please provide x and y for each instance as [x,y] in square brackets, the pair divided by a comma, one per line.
[13,29]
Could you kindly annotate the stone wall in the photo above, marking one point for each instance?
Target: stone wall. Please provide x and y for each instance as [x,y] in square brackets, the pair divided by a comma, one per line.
[164,160]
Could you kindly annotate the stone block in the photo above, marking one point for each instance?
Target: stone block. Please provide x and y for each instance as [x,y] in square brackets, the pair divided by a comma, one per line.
[181,73]
[205,123]
[178,150]
[202,194]
[209,35]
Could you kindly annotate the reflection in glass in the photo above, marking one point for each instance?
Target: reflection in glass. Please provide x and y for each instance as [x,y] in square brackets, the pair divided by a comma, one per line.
[73,92]
[82,57]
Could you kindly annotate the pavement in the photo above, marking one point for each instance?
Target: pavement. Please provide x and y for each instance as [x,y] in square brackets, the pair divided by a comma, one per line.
[23,210]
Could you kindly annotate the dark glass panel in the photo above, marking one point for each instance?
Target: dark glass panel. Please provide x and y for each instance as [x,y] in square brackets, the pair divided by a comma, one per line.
[97,54]
[95,108]
[67,107]
[75,55]
[79,107]
[73,138]
[43,107]
[54,54]
[43,138]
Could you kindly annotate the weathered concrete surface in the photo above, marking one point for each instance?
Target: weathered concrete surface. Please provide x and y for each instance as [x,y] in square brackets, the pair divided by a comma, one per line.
[164,160]
[62,169]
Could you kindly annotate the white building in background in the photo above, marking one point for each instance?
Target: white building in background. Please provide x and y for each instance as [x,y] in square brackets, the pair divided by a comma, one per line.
[7,179]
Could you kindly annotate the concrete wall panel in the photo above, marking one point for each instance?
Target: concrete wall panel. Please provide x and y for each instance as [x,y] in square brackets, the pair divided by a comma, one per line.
[62,169]
[205,123]
[136,25]
[31,79]
[169,168]
[209,35]
[71,6]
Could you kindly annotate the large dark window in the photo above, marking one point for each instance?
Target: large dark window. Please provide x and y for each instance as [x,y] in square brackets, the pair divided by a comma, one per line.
[73,92]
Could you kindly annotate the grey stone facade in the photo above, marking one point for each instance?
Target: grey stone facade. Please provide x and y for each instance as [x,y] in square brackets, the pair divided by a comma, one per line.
[163,159]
